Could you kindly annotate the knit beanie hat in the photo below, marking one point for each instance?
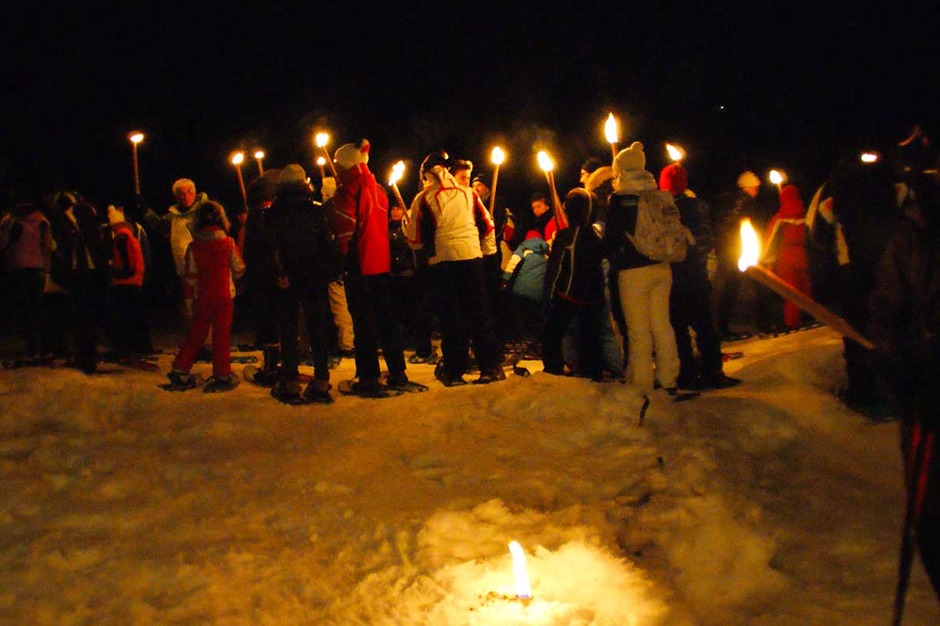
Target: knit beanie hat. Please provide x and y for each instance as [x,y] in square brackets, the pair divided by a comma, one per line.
[292,173]
[674,179]
[748,179]
[632,158]
[349,155]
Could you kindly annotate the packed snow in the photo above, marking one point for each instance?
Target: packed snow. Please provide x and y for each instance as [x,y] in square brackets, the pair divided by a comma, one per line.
[768,503]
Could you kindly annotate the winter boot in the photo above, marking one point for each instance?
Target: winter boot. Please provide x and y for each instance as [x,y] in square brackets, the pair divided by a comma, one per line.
[287,391]
[447,379]
[490,375]
[400,382]
[181,381]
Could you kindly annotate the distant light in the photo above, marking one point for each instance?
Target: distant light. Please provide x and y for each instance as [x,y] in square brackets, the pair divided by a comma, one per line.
[721,107]
[870,157]
[136,137]
[237,158]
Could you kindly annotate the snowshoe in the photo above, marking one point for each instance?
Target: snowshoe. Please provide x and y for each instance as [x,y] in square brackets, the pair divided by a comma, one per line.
[403,384]
[182,381]
[318,392]
[367,389]
[430,359]
[446,379]
[681,396]
[719,381]
[218,384]
[490,376]
[287,392]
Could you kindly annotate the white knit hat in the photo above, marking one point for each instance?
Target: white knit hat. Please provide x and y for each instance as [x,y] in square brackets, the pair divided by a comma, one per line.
[292,173]
[349,155]
[631,158]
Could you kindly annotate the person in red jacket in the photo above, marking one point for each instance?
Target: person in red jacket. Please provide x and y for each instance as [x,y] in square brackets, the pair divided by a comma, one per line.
[359,215]
[786,250]
[130,330]
[211,266]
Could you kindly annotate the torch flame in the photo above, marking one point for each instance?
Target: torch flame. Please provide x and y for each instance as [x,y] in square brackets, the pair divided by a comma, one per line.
[523,588]
[136,137]
[675,152]
[750,246]
[237,158]
[321,161]
[322,139]
[497,156]
[776,177]
[545,161]
[610,129]
[869,157]
[259,154]
[398,171]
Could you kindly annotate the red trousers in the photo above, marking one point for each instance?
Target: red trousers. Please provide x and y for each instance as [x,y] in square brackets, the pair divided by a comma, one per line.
[218,316]
[799,279]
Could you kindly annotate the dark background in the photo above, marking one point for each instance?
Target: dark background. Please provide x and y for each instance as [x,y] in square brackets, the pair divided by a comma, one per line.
[739,85]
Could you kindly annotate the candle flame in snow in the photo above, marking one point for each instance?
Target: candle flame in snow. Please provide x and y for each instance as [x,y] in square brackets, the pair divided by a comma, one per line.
[611,132]
[523,588]
[321,139]
[398,170]
[750,246]
[545,161]
[675,152]
[497,156]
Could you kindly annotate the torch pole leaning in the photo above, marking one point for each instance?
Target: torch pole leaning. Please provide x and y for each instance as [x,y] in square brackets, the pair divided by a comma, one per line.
[773,282]
[493,190]
[401,201]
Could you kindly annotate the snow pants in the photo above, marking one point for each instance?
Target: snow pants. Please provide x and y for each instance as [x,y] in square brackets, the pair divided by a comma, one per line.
[218,316]
[644,295]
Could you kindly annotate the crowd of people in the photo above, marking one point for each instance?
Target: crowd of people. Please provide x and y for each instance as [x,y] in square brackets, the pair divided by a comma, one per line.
[630,277]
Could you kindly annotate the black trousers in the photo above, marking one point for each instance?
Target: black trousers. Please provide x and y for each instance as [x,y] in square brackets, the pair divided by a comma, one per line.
[590,319]
[316,310]
[690,307]
[374,324]
[465,316]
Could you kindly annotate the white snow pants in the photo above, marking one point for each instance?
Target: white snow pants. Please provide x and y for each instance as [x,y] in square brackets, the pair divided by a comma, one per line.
[644,296]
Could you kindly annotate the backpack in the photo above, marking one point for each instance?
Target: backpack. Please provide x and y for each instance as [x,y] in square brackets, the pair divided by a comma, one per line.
[659,233]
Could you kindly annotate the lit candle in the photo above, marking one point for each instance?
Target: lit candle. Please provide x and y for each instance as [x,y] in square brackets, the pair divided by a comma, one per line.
[321,140]
[398,170]
[548,166]
[675,153]
[612,133]
[237,159]
[259,154]
[497,156]
[748,263]
[523,587]
[135,138]
[777,178]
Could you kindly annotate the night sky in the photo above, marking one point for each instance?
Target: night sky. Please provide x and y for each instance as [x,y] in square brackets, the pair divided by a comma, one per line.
[739,85]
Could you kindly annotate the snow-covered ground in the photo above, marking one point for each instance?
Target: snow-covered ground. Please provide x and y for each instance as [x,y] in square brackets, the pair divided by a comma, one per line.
[769,503]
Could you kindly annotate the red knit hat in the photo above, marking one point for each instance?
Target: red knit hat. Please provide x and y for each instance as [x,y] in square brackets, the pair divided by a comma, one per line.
[674,179]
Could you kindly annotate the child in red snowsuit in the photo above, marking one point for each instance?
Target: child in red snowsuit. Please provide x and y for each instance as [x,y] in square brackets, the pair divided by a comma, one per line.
[786,249]
[212,264]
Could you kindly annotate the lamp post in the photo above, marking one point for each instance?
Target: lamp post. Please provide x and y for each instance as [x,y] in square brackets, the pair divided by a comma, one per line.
[321,139]
[135,138]
[237,159]
[259,154]
[497,156]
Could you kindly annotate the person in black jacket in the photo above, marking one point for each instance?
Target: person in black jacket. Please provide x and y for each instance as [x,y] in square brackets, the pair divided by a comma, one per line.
[690,298]
[304,262]
[574,288]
